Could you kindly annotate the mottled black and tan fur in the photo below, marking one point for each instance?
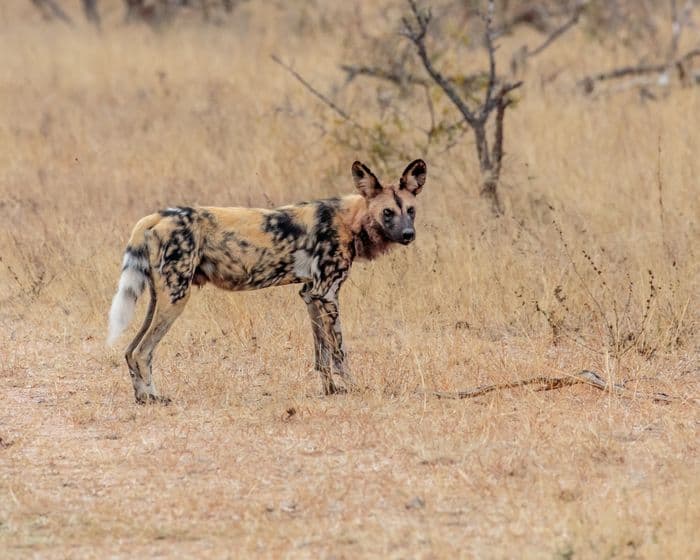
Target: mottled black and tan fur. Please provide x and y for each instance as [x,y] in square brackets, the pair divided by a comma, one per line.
[312,243]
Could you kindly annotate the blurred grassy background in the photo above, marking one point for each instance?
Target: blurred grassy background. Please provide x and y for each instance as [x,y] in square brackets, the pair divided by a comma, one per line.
[101,128]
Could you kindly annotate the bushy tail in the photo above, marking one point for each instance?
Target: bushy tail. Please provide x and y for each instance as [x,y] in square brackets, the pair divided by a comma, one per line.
[135,270]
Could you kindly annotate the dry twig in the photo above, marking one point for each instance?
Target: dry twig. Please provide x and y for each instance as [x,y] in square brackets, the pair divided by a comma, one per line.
[547,383]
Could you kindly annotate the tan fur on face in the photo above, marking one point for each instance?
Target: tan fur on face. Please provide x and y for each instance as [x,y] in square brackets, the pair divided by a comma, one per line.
[387,199]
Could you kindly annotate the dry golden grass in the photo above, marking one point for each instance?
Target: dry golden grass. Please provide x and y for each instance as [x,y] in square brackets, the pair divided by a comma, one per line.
[250,460]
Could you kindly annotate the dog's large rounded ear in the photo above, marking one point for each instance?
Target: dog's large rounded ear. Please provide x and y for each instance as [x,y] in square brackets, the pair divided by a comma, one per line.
[365,181]
[413,177]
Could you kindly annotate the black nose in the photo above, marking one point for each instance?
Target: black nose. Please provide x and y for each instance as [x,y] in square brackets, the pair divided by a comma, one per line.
[408,235]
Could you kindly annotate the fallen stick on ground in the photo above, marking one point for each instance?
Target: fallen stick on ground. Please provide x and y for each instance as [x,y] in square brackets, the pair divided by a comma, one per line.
[585,376]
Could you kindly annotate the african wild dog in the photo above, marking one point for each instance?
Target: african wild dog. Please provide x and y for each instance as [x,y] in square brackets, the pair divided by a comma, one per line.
[313,243]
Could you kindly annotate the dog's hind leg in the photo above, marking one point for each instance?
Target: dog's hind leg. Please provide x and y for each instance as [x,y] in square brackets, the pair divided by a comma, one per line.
[165,314]
[137,380]
[174,255]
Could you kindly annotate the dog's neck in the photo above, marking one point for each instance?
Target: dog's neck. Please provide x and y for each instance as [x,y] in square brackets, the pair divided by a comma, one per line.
[369,241]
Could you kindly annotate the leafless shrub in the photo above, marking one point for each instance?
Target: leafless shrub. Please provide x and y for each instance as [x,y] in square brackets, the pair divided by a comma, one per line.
[480,97]
[495,101]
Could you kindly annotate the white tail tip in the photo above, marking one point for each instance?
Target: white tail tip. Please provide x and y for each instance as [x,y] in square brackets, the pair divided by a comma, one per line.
[131,284]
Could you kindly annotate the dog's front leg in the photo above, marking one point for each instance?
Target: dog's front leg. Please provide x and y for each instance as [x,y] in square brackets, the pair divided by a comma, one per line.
[329,350]
[333,337]
[322,354]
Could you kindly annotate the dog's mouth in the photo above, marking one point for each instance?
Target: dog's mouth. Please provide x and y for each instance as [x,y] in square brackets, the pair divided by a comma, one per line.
[391,237]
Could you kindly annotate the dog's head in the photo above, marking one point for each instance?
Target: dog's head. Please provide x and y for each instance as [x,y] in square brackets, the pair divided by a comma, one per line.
[391,208]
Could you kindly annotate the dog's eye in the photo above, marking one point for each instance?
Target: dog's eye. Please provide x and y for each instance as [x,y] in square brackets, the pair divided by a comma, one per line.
[388,213]
[411,211]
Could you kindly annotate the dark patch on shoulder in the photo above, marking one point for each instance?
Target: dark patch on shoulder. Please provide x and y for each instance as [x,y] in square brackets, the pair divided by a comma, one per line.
[282,226]
[333,202]
[324,213]
[325,241]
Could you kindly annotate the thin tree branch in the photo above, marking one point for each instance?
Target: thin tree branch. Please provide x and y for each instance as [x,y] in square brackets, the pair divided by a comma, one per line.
[488,35]
[677,25]
[503,91]
[628,71]
[397,78]
[678,22]
[498,139]
[401,79]
[559,31]
[416,34]
[314,91]
[641,70]
[689,55]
